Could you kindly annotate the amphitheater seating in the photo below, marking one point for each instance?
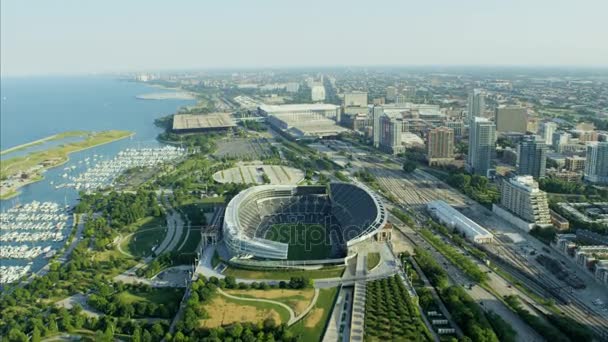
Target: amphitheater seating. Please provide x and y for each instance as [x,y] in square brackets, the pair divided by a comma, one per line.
[346,210]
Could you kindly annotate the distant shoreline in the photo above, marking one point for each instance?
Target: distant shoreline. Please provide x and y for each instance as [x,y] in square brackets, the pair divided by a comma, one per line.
[177,95]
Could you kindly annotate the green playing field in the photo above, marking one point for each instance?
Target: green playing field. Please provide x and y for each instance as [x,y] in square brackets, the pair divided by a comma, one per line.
[306,241]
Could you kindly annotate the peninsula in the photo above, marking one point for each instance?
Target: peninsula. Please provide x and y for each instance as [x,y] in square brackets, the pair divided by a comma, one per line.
[22,170]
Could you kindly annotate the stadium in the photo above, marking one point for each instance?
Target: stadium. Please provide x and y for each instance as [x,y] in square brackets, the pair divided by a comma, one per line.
[290,222]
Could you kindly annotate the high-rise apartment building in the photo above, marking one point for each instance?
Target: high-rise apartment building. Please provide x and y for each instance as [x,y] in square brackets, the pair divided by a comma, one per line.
[547,130]
[532,157]
[522,203]
[482,146]
[511,119]
[390,133]
[440,145]
[575,163]
[596,164]
[476,104]
[377,112]
[559,140]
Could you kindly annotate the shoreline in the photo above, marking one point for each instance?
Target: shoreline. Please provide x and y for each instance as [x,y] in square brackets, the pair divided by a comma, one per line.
[39,175]
[28,144]
[178,95]
[53,137]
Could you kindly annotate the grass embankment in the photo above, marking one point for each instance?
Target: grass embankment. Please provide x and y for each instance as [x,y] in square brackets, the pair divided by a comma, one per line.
[313,325]
[224,311]
[149,232]
[297,300]
[373,259]
[326,272]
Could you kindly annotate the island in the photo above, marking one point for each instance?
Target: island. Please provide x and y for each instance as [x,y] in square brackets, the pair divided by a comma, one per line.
[19,171]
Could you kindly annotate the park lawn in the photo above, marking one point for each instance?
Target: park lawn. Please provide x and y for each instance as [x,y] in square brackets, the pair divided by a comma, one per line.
[225,311]
[327,272]
[373,259]
[149,232]
[306,241]
[297,300]
[191,242]
[313,325]
[170,297]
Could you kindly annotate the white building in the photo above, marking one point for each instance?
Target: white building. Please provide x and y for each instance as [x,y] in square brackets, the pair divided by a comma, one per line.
[476,104]
[547,130]
[317,93]
[461,224]
[596,164]
[523,204]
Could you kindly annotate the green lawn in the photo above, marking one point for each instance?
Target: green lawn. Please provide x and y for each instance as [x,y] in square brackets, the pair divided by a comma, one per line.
[313,325]
[150,231]
[328,272]
[170,297]
[373,259]
[306,241]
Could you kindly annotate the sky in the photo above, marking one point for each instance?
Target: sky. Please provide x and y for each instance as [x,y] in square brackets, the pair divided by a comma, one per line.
[75,37]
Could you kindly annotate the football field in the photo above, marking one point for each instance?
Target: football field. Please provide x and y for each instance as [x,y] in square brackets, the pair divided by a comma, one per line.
[306,241]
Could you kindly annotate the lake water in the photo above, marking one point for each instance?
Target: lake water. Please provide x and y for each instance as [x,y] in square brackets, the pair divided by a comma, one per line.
[34,108]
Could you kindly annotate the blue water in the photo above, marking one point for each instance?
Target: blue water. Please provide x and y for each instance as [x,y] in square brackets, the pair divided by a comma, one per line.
[34,108]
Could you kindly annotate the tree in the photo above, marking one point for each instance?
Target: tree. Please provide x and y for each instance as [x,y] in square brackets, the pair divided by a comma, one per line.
[409,166]
[36,335]
[136,337]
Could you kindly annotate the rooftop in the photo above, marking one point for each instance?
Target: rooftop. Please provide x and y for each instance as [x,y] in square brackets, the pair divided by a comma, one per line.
[201,121]
[297,107]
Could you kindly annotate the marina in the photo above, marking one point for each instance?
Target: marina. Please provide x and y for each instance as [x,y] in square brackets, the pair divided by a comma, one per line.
[10,274]
[104,172]
[30,233]
[107,101]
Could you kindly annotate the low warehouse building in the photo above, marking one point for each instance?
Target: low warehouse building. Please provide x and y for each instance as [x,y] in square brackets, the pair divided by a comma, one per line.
[455,220]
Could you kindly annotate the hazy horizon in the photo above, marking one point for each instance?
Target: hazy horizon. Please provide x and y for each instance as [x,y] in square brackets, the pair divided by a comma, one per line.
[72,37]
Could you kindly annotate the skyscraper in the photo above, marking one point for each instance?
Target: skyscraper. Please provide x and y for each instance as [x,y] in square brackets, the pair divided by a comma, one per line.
[440,145]
[377,112]
[482,146]
[511,119]
[596,164]
[560,139]
[391,126]
[523,203]
[532,157]
[476,104]
[547,130]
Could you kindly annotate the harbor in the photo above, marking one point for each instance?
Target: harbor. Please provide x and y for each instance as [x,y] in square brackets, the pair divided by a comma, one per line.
[30,233]
[29,219]
[103,173]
